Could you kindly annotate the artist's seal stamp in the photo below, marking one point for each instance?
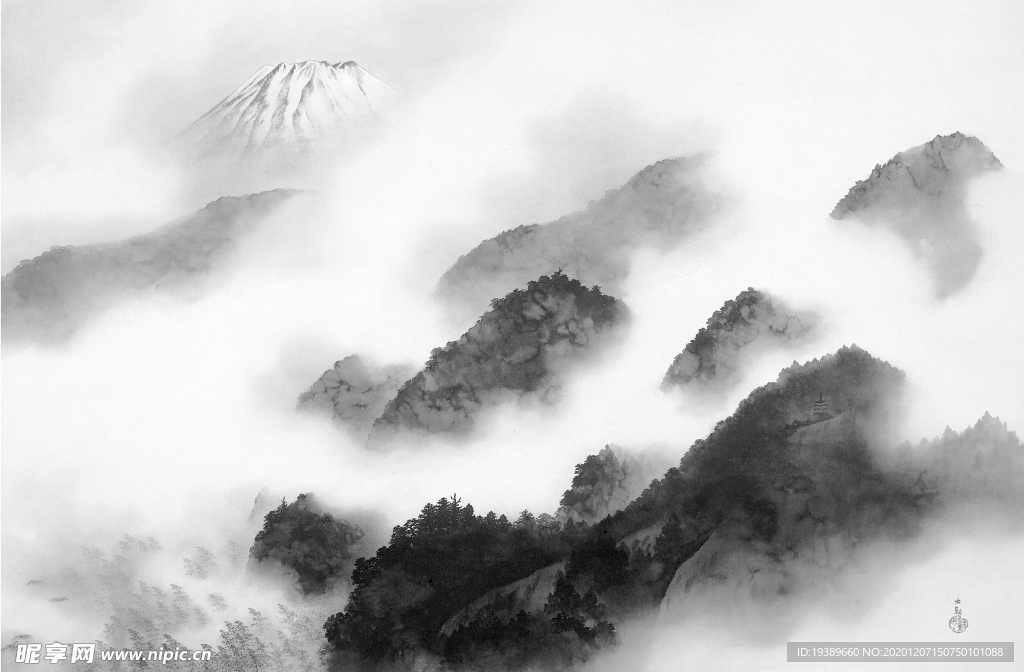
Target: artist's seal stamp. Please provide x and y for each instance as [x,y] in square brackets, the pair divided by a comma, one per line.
[958,623]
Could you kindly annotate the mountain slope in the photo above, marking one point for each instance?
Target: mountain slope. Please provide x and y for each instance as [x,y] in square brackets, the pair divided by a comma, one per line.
[711,359]
[292,106]
[49,297]
[515,349]
[919,195]
[659,206]
[782,493]
[604,483]
[356,391]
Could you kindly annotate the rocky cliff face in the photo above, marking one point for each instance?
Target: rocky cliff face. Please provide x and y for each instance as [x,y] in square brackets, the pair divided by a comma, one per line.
[712,359]
[919,195]
[355,391]
[659,206]
[51,296]
[517,348]
[528,594]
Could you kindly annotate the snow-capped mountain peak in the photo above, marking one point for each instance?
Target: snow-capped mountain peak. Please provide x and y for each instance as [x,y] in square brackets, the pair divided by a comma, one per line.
[293,105]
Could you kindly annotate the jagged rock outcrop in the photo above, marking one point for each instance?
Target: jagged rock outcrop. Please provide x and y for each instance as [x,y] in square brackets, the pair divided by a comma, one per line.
[519,347]
[919,195]
[355,391]
[712,359]
[659,206]
[51,296]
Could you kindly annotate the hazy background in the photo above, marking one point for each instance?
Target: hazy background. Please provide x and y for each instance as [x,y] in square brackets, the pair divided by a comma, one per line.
[166,417]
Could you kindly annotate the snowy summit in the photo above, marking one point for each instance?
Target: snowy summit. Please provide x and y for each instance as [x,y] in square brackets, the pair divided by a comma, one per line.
[292,106]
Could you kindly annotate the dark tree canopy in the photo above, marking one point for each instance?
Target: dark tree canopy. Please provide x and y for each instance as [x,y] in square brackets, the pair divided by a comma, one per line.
[315,544]
[434,565]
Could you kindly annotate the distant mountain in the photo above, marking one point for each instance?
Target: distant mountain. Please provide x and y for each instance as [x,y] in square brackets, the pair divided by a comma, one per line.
[986,458]
[919,195]
[517,348]
[292,106]
[355,391]
[659,206]
[711,359]
[49,297]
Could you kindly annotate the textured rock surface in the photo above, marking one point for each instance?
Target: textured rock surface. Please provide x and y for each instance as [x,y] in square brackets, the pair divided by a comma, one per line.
[711,359]
[517,348]
[528,594]
[49,297]
[919,195]
[659,206]
[355,391]
[738,566]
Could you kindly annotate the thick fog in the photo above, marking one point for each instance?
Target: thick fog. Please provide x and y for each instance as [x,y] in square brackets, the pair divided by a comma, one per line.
[165,416]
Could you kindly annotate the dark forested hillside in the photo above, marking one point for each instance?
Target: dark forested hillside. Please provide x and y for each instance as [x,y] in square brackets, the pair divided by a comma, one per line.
[513,350]
[792,479]
[441,561]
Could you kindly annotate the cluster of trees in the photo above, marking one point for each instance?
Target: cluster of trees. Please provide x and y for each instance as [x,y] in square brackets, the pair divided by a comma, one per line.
[315,544]
[606,482]
[509,349]
[441,561]
[564,633]
[434,565]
